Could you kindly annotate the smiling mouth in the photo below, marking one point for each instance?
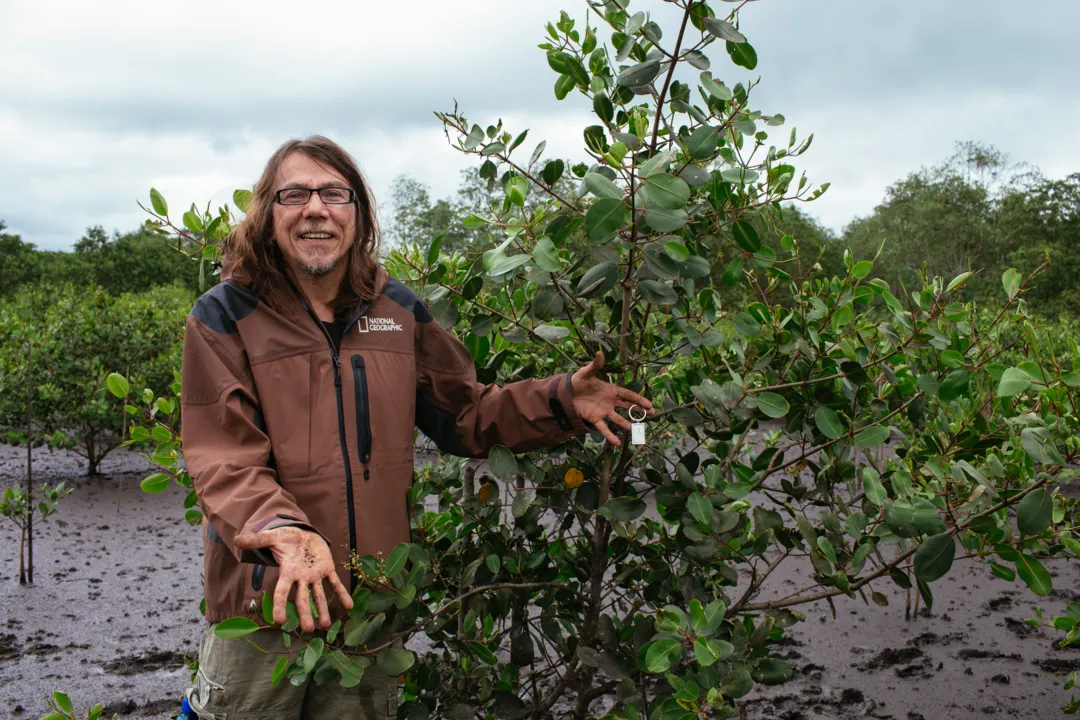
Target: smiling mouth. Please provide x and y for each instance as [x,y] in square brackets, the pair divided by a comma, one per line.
[316,236]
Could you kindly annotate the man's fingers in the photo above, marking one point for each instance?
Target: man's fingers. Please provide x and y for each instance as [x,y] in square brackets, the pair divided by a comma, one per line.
[303,606]
[320,604]
[619,420]
[339,590]
[281,598]
[633,398]
[606,432]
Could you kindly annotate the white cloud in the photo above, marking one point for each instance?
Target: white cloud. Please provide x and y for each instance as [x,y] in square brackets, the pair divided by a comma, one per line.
[111,98]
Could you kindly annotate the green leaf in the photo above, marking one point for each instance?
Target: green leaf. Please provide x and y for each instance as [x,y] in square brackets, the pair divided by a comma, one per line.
[602,187]
[733,272]
[474,138]
[872,436]
[676,251]
[841,317]
[118,385]
[702,143]
[666,191]
[1010,280]
[235,627]
[660,262]
[624,509]
[279,670]
[875,491]
[861,269]
[828,422]
[699,507]
[493,563]
[155,483]
[503,463]
[193,222]
[1034,575]
[493,149]
[516,189]
[723,30]
[551,332]
[826,548]
[715,88]
[395,661]
[599,278]
[772,404]
[934,557]
[603,108]
[552,171]
[1013,382]
[242,198]
[742,54]
[605,218]
[473,222]
[521,504]
[640,74]
[396,562]
[746,324]
[661,653]
[502,264]
[1035,512]
[665,220]
[157,201]
[268,608]
[657,292]
[746,236]
[63,702]
[704,653]
[954,385]
[957,281]
[433,251]
[546,256]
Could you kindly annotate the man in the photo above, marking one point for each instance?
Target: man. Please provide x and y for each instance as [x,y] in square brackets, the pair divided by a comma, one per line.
[304,374]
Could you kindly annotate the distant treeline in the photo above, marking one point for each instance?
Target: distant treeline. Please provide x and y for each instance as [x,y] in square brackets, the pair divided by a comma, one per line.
[130,262]
[973,212]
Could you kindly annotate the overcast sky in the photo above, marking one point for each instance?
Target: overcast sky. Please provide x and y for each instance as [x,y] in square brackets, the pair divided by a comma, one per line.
[100,101]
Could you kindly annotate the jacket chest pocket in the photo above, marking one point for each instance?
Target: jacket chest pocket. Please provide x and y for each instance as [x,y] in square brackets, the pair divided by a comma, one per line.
[363,412]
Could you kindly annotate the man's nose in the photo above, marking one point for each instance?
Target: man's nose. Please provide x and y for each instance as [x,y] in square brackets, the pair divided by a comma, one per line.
[316,206]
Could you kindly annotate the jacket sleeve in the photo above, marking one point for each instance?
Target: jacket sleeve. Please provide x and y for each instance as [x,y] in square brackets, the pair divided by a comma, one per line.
[466,418]
[226,449]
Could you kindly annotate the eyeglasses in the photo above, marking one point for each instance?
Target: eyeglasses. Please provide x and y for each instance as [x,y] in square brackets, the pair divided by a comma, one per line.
[329,195]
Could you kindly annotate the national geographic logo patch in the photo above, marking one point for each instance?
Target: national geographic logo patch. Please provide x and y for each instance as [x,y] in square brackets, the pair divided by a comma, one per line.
[377,324]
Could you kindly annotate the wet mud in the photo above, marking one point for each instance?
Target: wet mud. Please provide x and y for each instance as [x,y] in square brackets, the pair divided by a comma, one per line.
[113,615]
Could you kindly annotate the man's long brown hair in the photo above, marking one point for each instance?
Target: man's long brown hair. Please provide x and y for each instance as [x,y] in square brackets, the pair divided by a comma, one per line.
[252,258]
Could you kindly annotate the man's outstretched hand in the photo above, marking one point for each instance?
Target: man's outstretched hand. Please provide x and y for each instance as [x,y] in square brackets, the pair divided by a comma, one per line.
[303,557]
[596,400]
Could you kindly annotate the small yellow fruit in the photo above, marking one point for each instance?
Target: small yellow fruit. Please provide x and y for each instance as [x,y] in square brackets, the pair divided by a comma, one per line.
[573,478]
[484,493]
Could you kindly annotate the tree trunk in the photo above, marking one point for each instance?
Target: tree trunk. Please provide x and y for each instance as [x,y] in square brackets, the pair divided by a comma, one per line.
[22,556]
[29,532]
[92,459]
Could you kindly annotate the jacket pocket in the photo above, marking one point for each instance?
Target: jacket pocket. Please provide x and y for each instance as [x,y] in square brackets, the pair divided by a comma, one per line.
[363,412]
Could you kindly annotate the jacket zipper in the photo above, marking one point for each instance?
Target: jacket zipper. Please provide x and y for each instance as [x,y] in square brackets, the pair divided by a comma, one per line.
[344,448]
[363,414]
[340,411]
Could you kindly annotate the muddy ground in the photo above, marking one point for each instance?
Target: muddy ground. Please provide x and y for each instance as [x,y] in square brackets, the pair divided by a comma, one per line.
[114,610]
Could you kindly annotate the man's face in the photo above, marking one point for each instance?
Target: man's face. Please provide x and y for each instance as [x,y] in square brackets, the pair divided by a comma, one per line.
[314,238]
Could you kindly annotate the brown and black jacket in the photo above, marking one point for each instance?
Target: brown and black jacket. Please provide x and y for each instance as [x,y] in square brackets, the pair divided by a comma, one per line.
[280,427]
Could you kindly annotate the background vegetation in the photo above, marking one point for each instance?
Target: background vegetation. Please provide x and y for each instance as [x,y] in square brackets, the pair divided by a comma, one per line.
[912,407]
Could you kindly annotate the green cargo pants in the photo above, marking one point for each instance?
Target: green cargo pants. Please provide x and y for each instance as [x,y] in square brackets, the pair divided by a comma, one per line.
[233,683]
